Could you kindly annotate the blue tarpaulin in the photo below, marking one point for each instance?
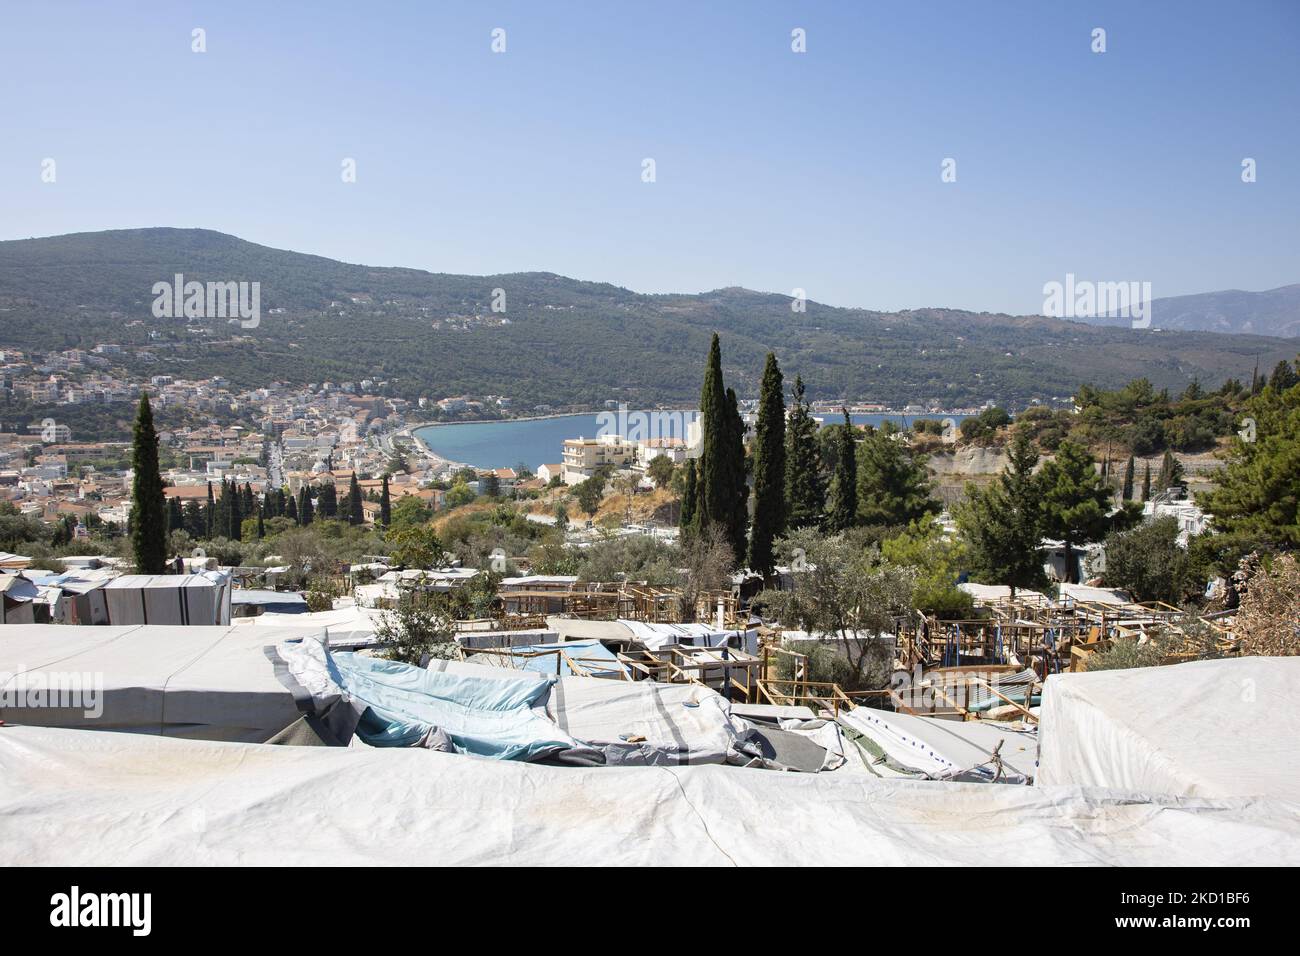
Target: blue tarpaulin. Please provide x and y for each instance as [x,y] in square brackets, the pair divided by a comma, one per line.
[485,717]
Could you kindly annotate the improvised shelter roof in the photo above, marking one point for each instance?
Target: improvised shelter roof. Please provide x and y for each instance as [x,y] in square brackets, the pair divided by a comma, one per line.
[74,798]
[1215,728]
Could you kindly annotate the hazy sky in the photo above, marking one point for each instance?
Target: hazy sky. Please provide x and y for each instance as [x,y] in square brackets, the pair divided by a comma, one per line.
[774,170]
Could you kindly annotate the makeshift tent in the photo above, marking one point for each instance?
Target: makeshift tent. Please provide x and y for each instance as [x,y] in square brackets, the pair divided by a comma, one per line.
[591,658]
[250,602]
[212,683]
[1205,728]
[348,626]
[70,798]
[17,599]
[516,715]
[199,599]
[390,704]
[897,744]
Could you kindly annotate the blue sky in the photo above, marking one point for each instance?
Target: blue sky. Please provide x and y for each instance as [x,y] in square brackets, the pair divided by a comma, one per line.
[775,170]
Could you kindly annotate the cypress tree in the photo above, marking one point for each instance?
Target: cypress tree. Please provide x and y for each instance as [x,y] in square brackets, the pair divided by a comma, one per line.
[1146,483]
[385,504]
[805,494]
[715,482]
[235,513]
[210,515]
[1126,492]
[175,518]
[194,519]
[738,512]
[354,501]
[261,528]
[686,520]
[246,503]
[769,469]
[149,519]
[844,514]
[306,511]
[328,502]
[291,509]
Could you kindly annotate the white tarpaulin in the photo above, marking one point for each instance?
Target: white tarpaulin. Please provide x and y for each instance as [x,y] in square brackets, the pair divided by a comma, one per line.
[1206,728]
[76,798]
[945,749]
[209,682]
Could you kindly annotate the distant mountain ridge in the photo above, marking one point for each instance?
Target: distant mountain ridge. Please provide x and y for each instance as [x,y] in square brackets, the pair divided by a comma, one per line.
[1273,312]
[559,341]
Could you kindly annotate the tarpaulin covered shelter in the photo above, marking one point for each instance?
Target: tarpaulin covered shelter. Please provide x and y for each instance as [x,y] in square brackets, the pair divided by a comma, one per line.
[191,599]
[75,798]
[212,683]
[1213,728]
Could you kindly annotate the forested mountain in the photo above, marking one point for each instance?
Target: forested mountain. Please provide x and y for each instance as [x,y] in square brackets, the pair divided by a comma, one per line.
[1274,312]
[560,341]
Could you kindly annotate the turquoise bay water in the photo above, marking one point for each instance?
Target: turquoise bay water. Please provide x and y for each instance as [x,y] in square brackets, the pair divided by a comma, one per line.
[539,441]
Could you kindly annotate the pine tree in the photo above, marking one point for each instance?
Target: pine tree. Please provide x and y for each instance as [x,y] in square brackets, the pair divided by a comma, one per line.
[893,485]
[844,513]
[148,514]
[805,494]
[769,469]
[1075,502]
[1002,523]
[385,504]
[1126,492]
[355,515]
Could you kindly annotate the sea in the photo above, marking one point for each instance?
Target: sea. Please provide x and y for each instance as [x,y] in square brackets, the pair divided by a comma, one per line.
[538,441]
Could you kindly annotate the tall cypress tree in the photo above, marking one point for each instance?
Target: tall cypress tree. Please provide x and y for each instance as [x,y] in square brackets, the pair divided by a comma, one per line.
[714,484]
[737,523]
[149,518]
[1126,492]
[385,504]
[210,515]
[306,511]
[261,528]
[291,509]
[1146,483]
[175,517]
[328,501]
[769,469]
[844,513]
[234,513]
[805,494]
[686,520]
[355,515]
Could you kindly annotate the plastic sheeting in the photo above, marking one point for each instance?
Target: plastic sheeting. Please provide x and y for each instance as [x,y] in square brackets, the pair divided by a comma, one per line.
[946,749]
[1206,728]
[73,798]
[212,683]
[399,705]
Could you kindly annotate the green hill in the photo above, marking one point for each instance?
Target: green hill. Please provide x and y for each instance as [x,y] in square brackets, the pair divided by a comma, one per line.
[566,342]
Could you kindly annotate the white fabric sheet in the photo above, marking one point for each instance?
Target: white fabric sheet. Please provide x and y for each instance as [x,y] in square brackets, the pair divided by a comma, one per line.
[1206,728]
[77,798]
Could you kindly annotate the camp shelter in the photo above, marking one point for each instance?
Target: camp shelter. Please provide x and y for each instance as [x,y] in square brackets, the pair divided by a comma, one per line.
[1215,728]
[898,744]
[72,798]
[213,683]
[191,599]
[252,602]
